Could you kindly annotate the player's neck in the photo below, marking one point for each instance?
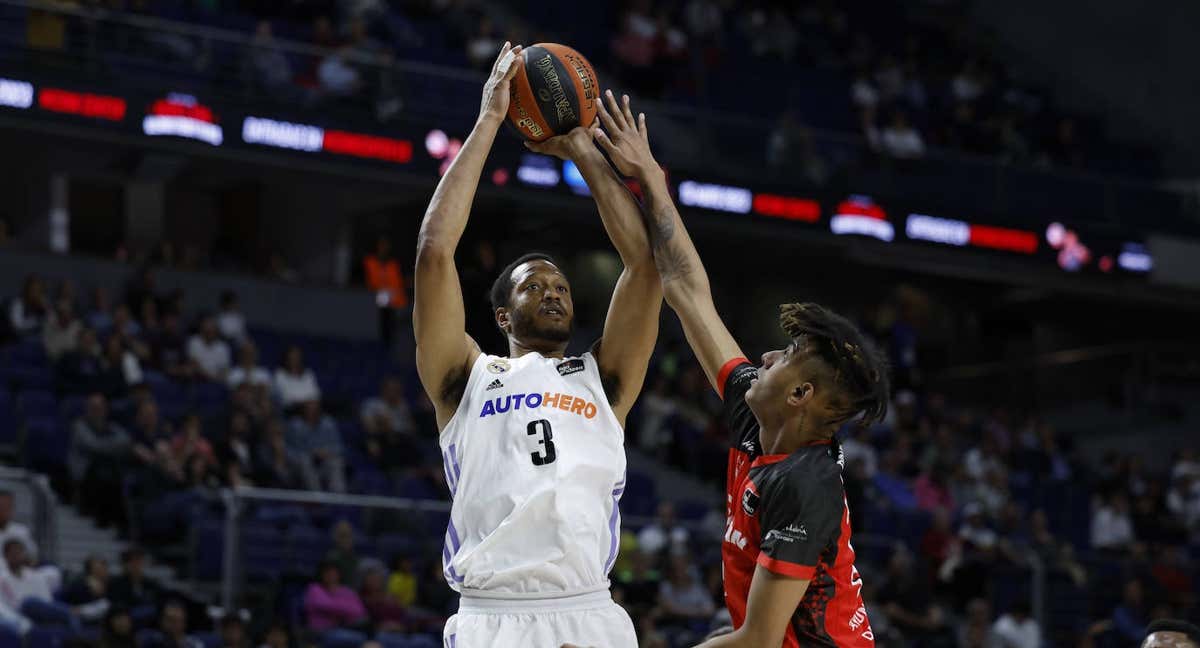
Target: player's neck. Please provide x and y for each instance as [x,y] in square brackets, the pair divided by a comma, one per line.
[791,435]
[517,349]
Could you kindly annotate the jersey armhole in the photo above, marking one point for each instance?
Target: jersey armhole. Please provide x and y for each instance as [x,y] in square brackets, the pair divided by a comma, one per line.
[785,568]
[726,369]
[472,380]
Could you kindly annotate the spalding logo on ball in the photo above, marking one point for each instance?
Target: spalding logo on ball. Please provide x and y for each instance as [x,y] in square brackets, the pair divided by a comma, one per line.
[553,91]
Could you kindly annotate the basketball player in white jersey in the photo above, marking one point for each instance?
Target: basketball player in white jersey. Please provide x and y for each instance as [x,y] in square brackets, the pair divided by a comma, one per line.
[533,442]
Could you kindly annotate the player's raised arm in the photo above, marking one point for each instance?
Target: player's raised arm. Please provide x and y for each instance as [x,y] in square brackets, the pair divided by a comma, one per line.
[631,327]
[444,350]
[684,281]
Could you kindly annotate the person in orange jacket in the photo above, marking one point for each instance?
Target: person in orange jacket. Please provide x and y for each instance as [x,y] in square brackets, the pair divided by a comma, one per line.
[383,276]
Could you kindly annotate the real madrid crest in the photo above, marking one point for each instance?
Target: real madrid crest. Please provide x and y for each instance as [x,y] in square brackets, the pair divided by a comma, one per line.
[499,365]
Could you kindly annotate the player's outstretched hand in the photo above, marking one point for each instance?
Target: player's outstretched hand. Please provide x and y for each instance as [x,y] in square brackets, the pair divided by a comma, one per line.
[494,106]
[624,138]
[572,146]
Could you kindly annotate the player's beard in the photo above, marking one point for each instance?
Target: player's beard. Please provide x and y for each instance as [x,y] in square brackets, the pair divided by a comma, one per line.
[529,328]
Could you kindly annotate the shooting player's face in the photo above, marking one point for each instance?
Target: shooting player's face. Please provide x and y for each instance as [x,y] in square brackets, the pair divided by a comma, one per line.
[540,307]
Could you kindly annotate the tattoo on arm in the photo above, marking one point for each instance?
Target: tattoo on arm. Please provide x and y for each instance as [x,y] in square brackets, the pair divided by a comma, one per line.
[669,256]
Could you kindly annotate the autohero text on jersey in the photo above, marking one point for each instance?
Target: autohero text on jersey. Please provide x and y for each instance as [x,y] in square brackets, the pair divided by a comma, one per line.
[515,402]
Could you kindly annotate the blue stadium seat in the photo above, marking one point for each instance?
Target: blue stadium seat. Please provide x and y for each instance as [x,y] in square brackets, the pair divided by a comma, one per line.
[47,442]
[149,636]
[37,403]
[208,394]
[9,638]
[30,352]
[8,418]
[48,637]
[209,639]
[71,407]
[208,548]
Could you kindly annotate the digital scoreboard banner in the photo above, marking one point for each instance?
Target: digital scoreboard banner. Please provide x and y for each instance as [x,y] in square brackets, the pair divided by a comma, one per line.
[188,117]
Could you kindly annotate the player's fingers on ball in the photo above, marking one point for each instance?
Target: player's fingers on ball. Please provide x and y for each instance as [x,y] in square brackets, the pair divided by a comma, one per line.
[615,110]
[500,56]
[605,117]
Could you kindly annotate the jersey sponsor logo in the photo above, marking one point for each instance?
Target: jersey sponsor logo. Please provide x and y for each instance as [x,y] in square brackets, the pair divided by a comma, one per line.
[859,618]
[570,366]
[790,533]
[499,365]
[495,384]
[749,500]
[733,536]
[565,402]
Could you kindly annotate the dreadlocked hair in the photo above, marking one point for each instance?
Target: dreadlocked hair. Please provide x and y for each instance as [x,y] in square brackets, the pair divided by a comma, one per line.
[859,372]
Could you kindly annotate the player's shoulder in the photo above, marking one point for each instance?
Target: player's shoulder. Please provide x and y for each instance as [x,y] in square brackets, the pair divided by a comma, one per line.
[809,468]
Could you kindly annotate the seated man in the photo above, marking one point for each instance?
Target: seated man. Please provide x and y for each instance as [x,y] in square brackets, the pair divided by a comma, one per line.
[315,443]
[29,591]
[10,530]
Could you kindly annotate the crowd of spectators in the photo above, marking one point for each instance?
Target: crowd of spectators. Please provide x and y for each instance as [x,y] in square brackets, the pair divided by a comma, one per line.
[949,503]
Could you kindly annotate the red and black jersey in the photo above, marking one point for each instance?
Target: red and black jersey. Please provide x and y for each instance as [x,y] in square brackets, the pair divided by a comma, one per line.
[788,513]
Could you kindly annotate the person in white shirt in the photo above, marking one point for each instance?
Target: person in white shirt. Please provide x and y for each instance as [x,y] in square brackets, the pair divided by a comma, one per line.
[1016,629]
[900,140]
[663,533]
[230,321]
[248,370]
[1112,527]
[295,383]
[210,353]
[10,530]
[30,590]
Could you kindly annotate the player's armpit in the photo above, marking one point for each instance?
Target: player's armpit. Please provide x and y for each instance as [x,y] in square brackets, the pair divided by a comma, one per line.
[773,600]
[630,331]
[445,352]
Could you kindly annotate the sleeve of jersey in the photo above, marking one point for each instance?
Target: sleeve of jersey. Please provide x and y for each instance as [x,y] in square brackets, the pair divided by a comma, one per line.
[799,521]
[734,379]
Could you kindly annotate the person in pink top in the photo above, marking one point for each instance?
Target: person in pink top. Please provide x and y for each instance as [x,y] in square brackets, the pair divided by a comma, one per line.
[333,608]
[931,490]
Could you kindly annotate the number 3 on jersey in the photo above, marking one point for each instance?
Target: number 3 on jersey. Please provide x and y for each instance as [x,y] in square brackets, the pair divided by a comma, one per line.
[542,426]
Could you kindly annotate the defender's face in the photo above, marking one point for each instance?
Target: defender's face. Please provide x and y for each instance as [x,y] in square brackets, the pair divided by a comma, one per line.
[540,306]
[776,379]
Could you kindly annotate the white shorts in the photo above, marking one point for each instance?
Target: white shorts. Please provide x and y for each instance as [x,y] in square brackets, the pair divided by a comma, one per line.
[590,620]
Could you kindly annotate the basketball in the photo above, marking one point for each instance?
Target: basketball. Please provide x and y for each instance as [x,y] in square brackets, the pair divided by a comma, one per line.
[553,92]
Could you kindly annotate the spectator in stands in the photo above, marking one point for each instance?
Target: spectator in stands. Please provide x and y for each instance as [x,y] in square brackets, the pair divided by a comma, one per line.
[1017,629]
[279,269]
[939,541]
[1171,633]
[120,361]
[383,276]
[96,460]
[314,440]
[189,443]
[169,349]
[30,590]
[233,631]
[209,352]
[295,383]
[91,588]
[60,333]
[1183,500]
[118,629]
[277,636]
[151,441]
[385,614]
[334,610]
[173,629]
[909,605]
[931,491]
[900,140]
[1129,618]
[343,555]
[890,483]
[641,583]
[390,429]
[10,530]
[84,369]
[276,466]
[123,323]
[664,533]
[132,590]
[1112,527]
[682,598]
[248,370]
[402,582]
[976,631]
[230,321]
[271,68]
[27,312]
[235,452]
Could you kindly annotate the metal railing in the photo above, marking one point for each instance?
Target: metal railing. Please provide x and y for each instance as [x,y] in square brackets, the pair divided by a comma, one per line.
[102,46]
[44,517]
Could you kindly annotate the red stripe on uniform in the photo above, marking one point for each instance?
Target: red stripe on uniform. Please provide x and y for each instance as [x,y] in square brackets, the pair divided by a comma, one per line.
[842,621]
[723,374]
[785,568]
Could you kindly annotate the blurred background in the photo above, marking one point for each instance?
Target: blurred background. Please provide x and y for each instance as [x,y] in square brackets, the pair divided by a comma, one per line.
[211,423]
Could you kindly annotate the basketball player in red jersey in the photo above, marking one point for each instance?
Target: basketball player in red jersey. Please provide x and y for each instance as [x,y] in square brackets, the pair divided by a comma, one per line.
[789,568]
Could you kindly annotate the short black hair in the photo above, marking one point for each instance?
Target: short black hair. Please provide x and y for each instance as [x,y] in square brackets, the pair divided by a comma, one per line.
[502,287]
[1175,625]
[859,370]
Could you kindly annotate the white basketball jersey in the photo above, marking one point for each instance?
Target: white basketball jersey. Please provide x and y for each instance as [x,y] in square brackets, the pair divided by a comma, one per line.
[535,461]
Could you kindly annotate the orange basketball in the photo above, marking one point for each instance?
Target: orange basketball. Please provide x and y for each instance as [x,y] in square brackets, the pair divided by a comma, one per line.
[554,91]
